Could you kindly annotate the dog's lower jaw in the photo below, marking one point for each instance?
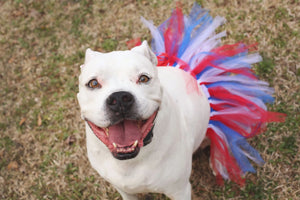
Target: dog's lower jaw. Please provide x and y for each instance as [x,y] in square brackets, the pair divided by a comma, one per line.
[126,156]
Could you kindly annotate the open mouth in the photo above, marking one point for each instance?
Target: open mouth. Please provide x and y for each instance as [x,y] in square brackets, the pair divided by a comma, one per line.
[125,138]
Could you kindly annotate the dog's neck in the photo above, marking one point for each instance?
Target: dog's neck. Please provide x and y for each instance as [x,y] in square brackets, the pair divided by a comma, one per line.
[163,121]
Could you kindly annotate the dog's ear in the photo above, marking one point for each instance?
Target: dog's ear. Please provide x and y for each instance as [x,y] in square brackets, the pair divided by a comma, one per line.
[89,54]
[145,50]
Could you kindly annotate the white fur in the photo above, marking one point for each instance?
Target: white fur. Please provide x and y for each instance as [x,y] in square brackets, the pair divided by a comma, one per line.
[164,165]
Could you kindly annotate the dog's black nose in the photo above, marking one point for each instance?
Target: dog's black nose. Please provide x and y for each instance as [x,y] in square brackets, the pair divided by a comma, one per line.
[120,102]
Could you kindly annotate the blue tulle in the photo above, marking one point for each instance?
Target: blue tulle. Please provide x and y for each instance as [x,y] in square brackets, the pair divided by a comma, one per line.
[245,89]
[240,148]
[191,23]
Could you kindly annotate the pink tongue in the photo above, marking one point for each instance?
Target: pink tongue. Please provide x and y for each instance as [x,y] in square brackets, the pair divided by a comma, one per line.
[124,133]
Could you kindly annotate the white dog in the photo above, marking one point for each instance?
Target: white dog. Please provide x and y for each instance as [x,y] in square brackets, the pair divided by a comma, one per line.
[143,122]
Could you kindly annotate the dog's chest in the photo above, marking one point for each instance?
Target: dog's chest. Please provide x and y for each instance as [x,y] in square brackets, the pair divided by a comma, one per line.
[139,176]
[135,178]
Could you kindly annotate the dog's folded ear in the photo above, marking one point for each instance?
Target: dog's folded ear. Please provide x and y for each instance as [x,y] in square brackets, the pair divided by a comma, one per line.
[89,54]
[145,50]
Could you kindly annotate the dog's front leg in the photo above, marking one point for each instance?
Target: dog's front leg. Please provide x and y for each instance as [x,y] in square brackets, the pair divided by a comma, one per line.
[126,196]
[184,193]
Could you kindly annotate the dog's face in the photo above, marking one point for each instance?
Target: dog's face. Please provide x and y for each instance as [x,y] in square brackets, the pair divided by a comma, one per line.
[119,96]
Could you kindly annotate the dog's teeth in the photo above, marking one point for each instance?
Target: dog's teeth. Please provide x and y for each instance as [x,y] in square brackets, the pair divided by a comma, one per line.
[114,144]
[135,144]
[106,132]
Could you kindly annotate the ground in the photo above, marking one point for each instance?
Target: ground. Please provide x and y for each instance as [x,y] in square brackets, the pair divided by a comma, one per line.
[42,139]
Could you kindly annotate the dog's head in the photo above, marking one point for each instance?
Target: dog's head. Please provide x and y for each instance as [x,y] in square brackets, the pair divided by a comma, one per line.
[119,96]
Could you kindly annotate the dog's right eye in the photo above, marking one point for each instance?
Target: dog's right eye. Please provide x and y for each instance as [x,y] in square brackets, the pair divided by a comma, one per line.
[144,79]
[93,84]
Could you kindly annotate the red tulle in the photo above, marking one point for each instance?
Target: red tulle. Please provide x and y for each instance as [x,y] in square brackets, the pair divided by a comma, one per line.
[239,121]
[164,60]
[221,53]
[219,153]
[173,35]
[133,43]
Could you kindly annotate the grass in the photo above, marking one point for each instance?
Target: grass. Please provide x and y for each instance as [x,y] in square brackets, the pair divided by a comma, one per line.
[42,47]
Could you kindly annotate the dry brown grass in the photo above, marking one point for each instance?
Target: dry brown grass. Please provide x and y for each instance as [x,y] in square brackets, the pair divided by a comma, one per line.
[42,141]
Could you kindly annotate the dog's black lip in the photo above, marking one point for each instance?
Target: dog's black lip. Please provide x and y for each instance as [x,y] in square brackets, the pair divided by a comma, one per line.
[126,156]
[148,139]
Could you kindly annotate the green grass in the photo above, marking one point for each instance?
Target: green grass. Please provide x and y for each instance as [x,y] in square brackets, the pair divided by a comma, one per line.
[109,44]
[265,68]
[6,143]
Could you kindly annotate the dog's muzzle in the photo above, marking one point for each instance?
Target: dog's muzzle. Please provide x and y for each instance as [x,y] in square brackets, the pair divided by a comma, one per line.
[126,135]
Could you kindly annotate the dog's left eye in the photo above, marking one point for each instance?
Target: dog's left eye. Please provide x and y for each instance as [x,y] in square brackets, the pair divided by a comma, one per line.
[93,84]
[144,79]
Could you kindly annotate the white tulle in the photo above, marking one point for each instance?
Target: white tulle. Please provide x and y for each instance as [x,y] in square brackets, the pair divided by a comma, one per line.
[159,44]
